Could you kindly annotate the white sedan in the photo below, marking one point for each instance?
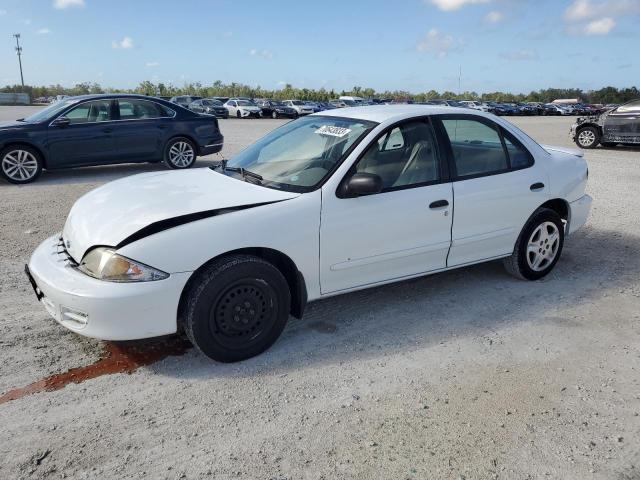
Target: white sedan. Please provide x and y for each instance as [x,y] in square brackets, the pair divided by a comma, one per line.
[326,204]
[242,108]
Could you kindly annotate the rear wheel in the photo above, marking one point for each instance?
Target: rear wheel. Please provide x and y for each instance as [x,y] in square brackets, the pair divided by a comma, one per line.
[588,137]
[20,164]
[237,308]
[274,114]
[238,114]
[180,153]
[538,247]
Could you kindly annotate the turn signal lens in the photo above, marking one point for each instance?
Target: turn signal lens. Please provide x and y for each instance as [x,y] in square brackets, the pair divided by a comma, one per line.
[105,264]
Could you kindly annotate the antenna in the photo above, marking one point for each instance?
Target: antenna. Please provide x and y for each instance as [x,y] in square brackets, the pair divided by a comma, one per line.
[19,52]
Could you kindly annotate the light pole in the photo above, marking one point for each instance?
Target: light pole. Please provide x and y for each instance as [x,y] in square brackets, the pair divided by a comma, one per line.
[19,52]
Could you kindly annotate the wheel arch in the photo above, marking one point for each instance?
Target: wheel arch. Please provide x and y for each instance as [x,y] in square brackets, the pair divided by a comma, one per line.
[18,143]
[286,266]
[589,124]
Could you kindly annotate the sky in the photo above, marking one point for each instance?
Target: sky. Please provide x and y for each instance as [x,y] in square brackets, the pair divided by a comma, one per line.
[415,45]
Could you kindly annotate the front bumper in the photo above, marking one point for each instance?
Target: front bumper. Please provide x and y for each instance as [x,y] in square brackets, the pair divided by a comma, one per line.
[579,212]
[100,309]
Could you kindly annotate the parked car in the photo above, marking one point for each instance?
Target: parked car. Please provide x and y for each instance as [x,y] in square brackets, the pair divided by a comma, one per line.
[210,106]
[620,125]
[474,105]
[184,100]
[105,129]
[276,109]
[383,182]
[338,104]
[503,109]
[243,108]
[299,107]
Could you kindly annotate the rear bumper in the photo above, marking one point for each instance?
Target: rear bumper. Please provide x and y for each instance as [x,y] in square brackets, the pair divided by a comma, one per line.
[99,309]
[210,148]
[579,212]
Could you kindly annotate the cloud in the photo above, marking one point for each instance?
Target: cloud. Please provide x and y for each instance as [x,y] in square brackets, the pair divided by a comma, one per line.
[494,17]
[520,55]
[62,4]
[583,10]
[451,5]
[439,44]
[152,64]
[125,43]
[266,54]
[599,27]
[43,31]
[589,17]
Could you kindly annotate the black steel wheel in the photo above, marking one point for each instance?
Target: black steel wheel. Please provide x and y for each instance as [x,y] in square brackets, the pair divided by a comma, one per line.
[236,308]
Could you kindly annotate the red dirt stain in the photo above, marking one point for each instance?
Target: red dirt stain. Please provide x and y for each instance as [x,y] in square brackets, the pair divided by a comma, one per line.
[117,358]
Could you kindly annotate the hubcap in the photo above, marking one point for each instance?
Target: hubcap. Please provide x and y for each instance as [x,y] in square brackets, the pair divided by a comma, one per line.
[543,246]
[181,154]
[586,138]
[242,314]
[19,165]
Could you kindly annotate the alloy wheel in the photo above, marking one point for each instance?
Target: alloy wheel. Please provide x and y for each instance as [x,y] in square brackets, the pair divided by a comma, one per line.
[181,154]
[543,246]
[20,165]
[586,138]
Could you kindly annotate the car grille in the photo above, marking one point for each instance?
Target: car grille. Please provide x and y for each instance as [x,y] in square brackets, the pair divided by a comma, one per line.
[61,250]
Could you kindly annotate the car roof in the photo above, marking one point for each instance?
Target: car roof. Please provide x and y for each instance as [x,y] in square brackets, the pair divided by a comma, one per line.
[383,113]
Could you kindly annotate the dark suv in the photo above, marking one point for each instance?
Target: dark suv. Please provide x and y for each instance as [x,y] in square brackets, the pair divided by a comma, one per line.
[619,125]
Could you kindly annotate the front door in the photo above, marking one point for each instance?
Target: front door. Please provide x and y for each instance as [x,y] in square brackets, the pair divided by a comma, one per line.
[404,230]
[86,140]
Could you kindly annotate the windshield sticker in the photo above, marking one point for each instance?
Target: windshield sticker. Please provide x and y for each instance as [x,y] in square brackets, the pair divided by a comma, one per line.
[332,131]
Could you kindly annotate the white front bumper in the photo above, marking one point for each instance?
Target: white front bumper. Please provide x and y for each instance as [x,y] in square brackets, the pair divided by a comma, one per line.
[579,213]
[112,311]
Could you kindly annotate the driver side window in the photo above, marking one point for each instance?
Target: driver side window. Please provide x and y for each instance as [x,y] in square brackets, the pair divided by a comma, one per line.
[405,156]
[90,112]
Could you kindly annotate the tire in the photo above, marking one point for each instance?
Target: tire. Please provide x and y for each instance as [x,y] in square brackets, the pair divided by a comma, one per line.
[588,137]
[535,253]
[20,164]
[274,114]
[180,153]
[238,114]
[236,308]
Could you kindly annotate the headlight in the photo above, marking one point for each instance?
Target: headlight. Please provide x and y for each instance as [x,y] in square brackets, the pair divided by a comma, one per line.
[105,264]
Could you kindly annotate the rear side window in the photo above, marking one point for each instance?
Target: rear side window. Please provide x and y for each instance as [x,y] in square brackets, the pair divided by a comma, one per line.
[141,109]
[477,147]
[519,157]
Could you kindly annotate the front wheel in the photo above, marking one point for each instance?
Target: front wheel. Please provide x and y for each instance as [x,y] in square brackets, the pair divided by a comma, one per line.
[274,114]
[20,164]
[180,153]
[538,247]
[236,308]
[588,137]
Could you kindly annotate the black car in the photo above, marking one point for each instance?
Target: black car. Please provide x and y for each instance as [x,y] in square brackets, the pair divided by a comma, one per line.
[620,125]
[105,129]
[276,109]
[184,100]
[210,106]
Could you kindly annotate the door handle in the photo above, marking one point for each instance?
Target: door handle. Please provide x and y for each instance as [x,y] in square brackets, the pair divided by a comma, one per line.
[536,186]
[439,204]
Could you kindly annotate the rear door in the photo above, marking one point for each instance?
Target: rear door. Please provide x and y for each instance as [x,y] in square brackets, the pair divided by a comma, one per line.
[87,139]
[623,124]
[496,186]
[140,131]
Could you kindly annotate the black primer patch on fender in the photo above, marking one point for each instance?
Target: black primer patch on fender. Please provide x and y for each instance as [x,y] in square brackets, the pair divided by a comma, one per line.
[168,223]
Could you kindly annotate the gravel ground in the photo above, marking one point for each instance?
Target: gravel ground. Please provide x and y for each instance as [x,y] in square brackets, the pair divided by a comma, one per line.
[467,374]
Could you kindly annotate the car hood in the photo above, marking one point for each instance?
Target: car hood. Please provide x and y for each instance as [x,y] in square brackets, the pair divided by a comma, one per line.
[251,108]
[117,210]
[12,124]
[567,150]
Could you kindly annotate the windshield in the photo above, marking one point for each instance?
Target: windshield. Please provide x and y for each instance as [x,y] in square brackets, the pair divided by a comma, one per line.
[277,104]
[211,103]
[51,111]
[300,154]
[296,102]
[245,103]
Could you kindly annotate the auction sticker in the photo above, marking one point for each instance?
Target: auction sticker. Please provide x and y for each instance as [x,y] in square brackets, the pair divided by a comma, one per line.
[333,131]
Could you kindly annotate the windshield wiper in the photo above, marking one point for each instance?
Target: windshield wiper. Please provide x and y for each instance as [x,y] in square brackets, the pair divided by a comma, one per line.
[242,171]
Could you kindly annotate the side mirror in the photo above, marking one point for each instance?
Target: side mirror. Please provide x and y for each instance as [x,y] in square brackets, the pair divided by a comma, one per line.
[61,122]
[361,184]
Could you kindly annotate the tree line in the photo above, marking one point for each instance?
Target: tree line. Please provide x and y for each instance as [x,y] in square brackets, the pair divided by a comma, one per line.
[219,89]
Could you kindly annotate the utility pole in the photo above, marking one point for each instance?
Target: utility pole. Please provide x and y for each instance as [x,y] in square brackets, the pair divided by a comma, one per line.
[19,52]
[460,81]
